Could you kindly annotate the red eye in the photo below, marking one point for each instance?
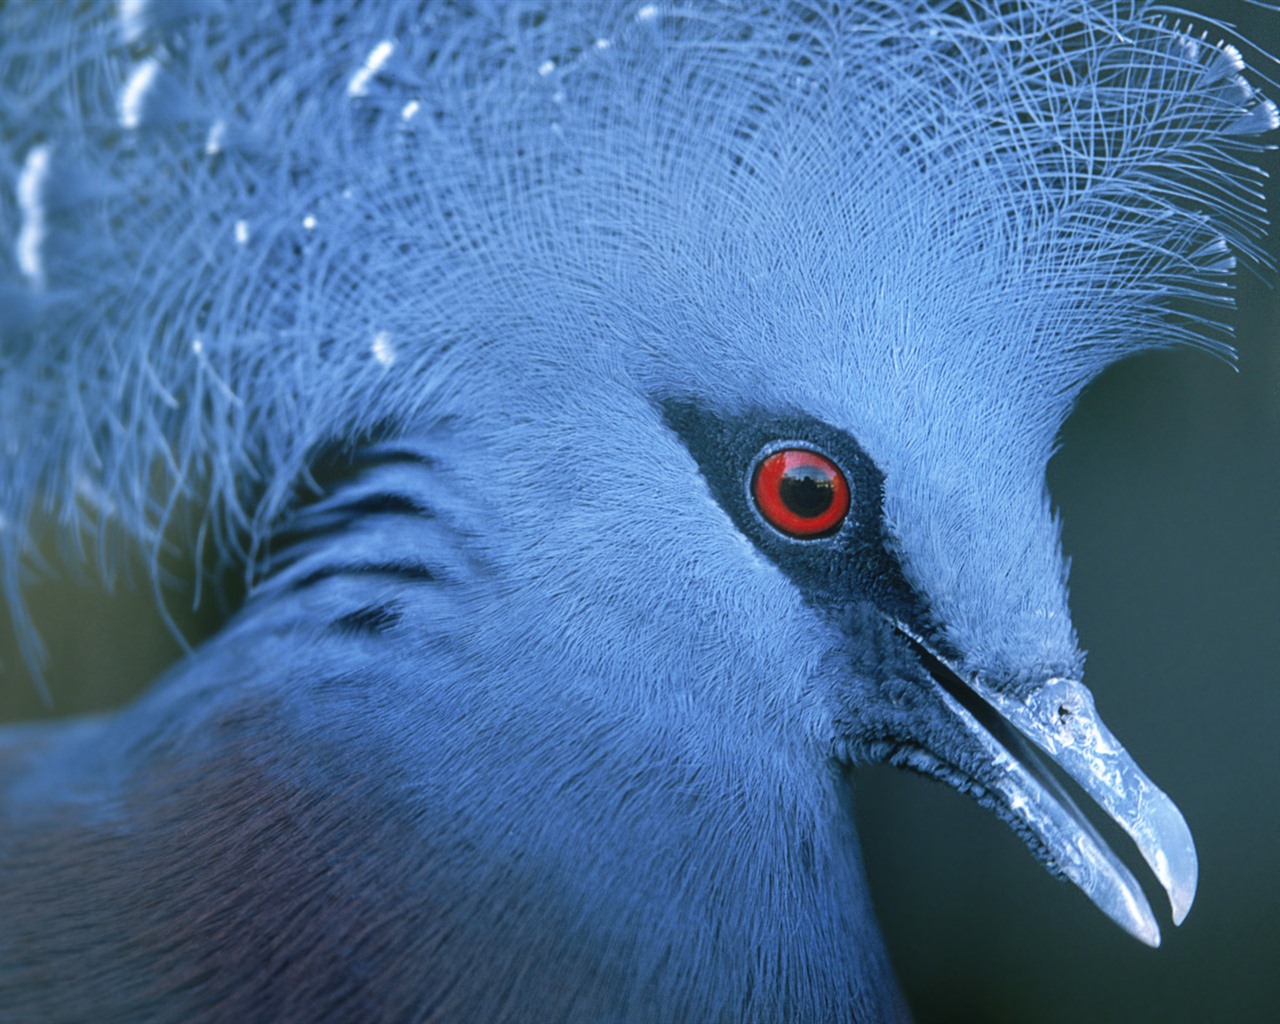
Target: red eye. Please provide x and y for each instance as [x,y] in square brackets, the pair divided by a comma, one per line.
[801,493]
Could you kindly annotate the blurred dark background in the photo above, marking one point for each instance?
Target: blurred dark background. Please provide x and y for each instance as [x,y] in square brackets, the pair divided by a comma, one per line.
[1169,484]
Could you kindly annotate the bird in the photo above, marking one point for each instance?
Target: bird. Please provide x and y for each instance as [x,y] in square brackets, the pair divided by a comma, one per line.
[627,420]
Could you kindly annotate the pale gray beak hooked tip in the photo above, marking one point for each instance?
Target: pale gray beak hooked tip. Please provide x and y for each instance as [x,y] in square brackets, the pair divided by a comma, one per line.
[1060,718]
[1057,721]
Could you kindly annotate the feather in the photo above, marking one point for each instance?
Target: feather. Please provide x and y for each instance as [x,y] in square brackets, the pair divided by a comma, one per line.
[235,238]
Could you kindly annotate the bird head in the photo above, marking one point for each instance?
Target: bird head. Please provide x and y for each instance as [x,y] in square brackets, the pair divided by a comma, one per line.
[781,364]
[739,345]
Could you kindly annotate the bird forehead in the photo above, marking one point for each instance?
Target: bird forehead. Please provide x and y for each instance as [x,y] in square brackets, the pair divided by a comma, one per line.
[916,404]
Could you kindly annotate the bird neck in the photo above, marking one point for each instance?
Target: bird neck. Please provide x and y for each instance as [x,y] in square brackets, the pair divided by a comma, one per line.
[641,833]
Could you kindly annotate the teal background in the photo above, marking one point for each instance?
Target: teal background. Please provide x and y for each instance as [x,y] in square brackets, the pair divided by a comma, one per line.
[1169,484]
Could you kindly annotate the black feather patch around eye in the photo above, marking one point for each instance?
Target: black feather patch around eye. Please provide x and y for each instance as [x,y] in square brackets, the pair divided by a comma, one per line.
[821,521]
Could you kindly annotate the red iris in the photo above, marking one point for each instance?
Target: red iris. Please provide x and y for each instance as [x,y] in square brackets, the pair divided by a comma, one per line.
[801,493]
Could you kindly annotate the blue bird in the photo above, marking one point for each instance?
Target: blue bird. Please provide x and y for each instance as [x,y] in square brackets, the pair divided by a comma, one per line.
[628,419]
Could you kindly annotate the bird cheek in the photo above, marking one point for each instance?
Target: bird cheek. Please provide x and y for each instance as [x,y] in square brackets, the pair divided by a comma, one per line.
[880,702]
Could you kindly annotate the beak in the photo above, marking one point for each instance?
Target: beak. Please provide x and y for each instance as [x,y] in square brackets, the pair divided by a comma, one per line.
[1057,723]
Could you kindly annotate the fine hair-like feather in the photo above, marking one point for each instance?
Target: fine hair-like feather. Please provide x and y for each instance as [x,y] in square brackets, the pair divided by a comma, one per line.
[237,237]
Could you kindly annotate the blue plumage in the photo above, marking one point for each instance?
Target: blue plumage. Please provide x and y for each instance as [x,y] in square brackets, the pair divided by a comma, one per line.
[1047,176]
[528,712]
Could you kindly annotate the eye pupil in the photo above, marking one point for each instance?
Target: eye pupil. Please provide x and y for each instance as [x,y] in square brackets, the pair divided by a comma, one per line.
[801,493]
[807,491]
